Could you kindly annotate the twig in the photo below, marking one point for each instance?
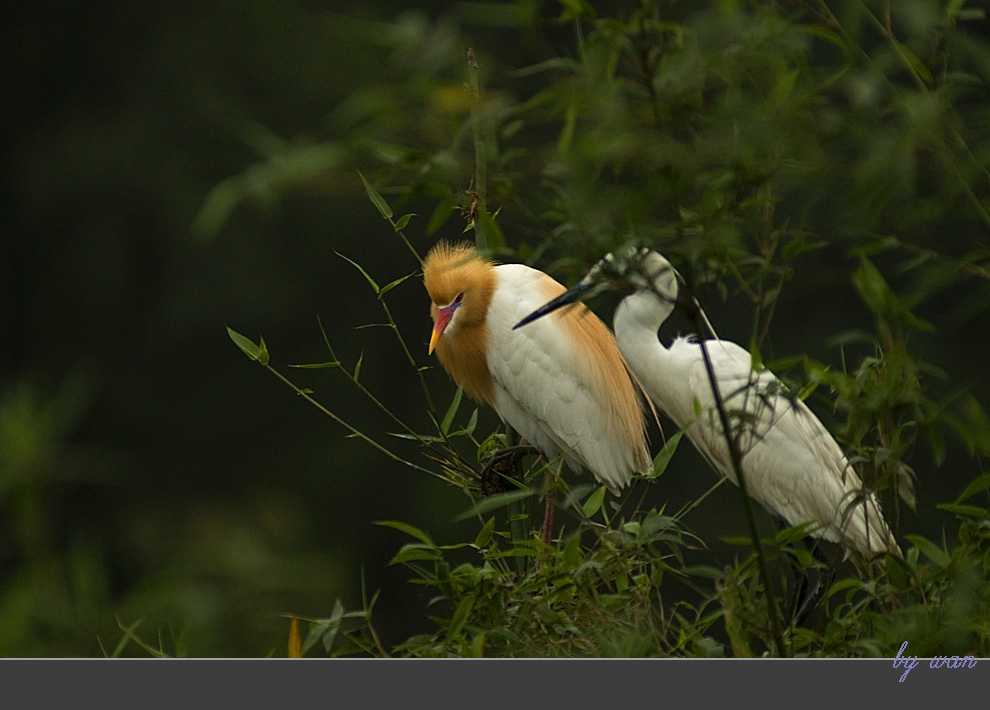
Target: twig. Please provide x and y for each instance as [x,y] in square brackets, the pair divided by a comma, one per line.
[480,154]
[693,310]
[355,432]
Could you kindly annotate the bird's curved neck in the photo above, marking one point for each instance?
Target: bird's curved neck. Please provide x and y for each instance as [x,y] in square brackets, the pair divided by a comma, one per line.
[640,315]
[637,320]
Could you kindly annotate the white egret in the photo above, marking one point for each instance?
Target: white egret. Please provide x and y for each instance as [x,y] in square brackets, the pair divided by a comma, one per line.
[790,462]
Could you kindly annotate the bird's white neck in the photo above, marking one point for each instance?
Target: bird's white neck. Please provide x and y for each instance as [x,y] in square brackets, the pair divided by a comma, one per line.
[639,317]
[637,320]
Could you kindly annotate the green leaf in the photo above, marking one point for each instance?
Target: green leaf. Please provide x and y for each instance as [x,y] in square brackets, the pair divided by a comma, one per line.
[357,367]
[265,142]
[317,365]
[844,584]
[977,485]
[705,572]
[932,551]
[461,615]
[263,356]
[440,215]
[494,239]
[448,418]
[218,205]
[594,502]
[364,273]
[881,299]
[407,529]
[414,552]
[664,456]
[376,198]
[472,422]
[912,59]
[571,556]
[575,494]
[390,286]
[873,288]
[485,534]
[246,345]
[495,502]
[969,511]
[403,221]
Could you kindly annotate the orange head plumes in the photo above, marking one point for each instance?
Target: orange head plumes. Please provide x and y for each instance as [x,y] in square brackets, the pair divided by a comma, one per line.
[461,283]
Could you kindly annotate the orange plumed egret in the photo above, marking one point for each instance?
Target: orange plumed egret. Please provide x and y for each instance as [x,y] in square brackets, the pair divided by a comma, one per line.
[562,385]
[791,464]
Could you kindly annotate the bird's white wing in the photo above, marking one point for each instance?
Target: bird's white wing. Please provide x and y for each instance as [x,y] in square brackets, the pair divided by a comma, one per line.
[857,520]
[544,388]
[793,465]
[744,394]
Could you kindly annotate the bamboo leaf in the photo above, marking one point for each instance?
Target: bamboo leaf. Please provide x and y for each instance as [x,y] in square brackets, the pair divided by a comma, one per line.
[402,221]
[440,215]
[414,552]
[977,485]
[376,198]
[485,534]
[970,511]
[461,615]
[246,345]
[472,422]
[390,286]
[495,502]
[932,551]
[406,528]
[448,418]
[357,367]
[364,273]
[594,502]
[663,457]
[493,233]
[218,205]
[916,64]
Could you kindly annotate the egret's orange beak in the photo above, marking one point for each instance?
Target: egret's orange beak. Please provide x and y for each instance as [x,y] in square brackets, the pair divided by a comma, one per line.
[443,320]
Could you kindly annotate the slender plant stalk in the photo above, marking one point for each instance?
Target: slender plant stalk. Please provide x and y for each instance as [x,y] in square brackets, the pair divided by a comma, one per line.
[359,434]
[694,310]
[515,508]
[480,154]
[405,239]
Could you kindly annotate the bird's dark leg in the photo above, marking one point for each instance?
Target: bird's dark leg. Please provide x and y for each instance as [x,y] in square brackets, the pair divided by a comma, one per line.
[548,513]
[503,464]
[812,592]
[805,596]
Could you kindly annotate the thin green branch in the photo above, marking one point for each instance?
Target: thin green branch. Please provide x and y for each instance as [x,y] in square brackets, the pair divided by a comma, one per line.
[359,434]
[693,310]
[480,154]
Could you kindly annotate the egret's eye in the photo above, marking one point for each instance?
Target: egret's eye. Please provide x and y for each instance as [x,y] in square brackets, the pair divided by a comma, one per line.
[460,297]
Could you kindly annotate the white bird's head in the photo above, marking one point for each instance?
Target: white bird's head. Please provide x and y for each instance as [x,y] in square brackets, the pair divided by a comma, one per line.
[460,282]
[630,270]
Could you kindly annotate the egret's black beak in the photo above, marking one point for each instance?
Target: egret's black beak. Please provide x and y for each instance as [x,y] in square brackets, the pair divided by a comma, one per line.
[571,296]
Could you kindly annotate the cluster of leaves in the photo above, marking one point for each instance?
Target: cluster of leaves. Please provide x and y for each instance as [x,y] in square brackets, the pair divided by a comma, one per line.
[741,139]
[597,589]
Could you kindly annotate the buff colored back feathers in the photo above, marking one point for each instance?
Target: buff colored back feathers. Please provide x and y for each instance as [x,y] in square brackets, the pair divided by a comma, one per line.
[561,383]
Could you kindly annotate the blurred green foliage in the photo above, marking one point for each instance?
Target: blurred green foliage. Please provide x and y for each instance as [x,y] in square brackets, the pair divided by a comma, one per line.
[818,171]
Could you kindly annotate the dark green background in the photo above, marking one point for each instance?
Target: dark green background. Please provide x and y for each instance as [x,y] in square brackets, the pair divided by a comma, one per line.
[150,471]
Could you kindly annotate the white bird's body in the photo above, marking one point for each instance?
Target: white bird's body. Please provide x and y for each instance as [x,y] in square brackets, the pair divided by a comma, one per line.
[548,390]
[562,386]
[792,465]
